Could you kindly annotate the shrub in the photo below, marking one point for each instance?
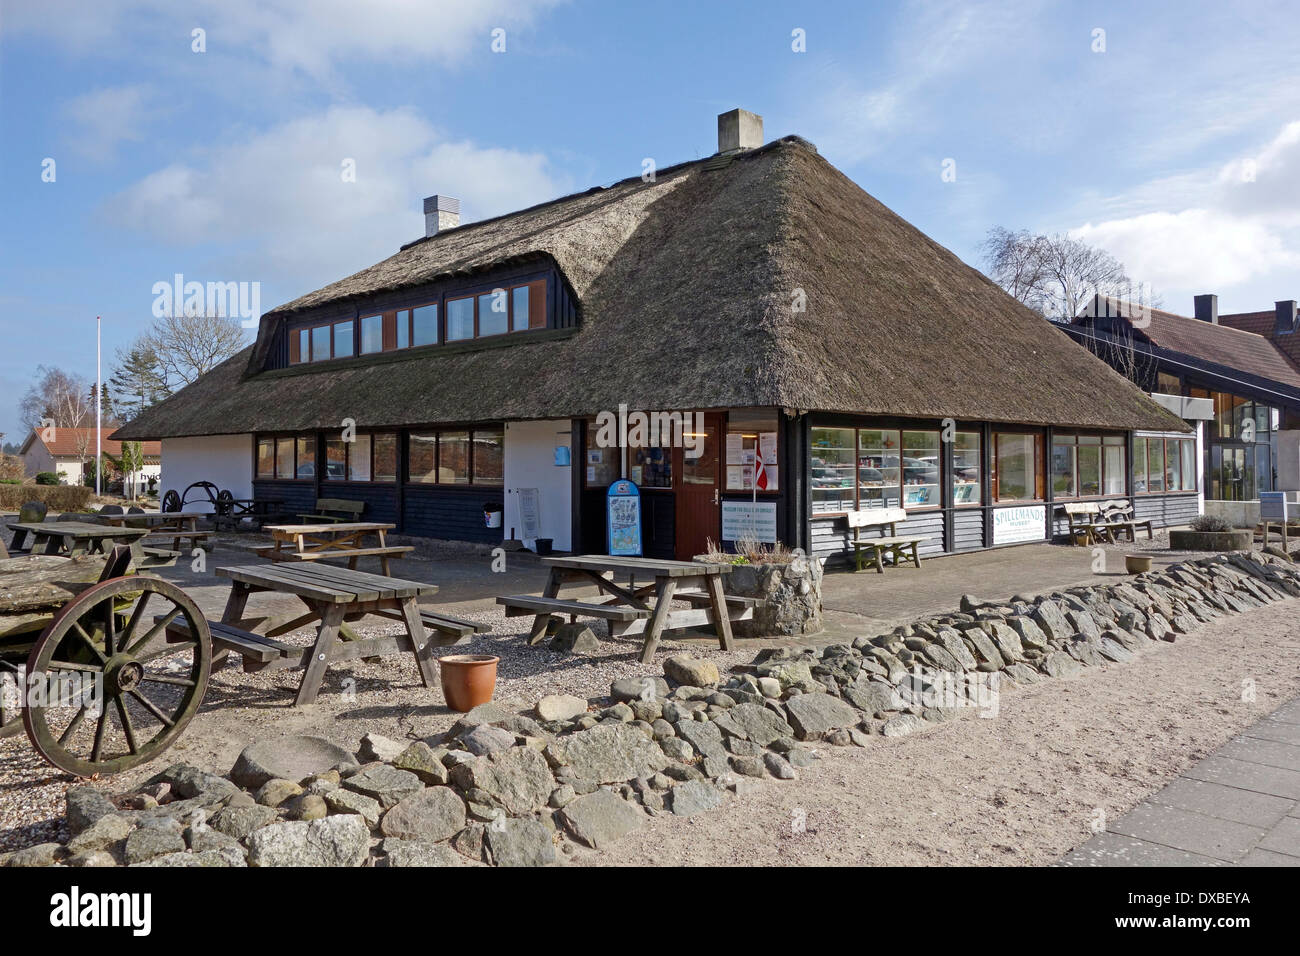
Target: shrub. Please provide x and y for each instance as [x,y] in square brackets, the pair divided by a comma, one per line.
[1211,523]
[12,469]
[47,478]
[57,498]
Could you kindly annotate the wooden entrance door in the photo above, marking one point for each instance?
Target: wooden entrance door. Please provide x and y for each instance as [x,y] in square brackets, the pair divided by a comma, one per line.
[698,487]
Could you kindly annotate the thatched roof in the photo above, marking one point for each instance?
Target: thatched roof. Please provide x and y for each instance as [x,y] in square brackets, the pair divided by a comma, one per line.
[685,289]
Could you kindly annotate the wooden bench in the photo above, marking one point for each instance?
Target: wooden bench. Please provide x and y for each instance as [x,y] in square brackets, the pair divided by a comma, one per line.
[1083,518]
[334,509]
[1118,515]
[258,652]
[194,538]
[518,605]
[891,543]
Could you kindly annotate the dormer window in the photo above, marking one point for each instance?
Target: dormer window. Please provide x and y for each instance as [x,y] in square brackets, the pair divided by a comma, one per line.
[451,317]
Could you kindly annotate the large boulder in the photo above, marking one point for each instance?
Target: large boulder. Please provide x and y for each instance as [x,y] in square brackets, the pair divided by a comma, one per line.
[754,722]
[600,818]
[561,707]
[814,715]
[517,780]
[85,805]
[511,842]
[432,815]
[294,758]
[607,753]
[695,796]
[342,840]
[874,696]
[691,671]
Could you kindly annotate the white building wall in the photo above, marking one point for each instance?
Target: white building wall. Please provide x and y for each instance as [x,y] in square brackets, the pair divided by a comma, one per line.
[224,460]
[530,463]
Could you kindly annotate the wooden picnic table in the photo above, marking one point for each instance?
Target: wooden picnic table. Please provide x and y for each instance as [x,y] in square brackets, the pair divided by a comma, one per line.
[75,537]
[332,596]
[632,609]
[172,524]
[344,539]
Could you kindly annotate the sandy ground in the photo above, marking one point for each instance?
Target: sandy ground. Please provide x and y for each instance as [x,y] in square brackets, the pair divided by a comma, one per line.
[1022,788]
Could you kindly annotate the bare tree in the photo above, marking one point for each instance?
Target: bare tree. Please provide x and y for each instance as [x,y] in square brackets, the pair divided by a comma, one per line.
[63,400]
[186,347]
[1055,275]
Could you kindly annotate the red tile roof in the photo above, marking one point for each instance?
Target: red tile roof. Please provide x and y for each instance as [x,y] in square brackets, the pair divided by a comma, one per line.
[76,441]
[1222,344]
[1263,323]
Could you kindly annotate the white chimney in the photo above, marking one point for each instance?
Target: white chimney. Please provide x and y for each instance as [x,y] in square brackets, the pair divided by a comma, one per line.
[440,213]
[739,129]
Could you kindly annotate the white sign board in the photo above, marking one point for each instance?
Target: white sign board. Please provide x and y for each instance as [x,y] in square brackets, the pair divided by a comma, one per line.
[1272,506]
[530,515]
[748,519]
[1028,523]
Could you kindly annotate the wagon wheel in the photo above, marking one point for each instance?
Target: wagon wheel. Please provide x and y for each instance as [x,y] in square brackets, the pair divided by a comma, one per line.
[171,501]
[107,690]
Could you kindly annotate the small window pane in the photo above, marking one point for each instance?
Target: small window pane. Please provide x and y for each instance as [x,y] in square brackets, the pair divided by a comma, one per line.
[879,473]
[372,334]
[385,454]
[1189,464]
[831,462]
[920,469]
[1064,462]
[966,468]
[493,312]
[602,464]
[489,457]
[404,326]
[424,323]
[284,458]
[757,429]
[1155,465]
[519,309]
[453,458]
[1173,467]
[1017,471]
[423,451]
[460,319]
[336,458]
[342,339]
[320,343]
[265,458]
[1113,474]
[1139,466]
[1089,469]
[307,457]
[359,458]
[304,345]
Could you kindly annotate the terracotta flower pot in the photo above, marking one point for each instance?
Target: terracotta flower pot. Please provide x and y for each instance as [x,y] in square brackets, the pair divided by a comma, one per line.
[468,679]
[1137,563]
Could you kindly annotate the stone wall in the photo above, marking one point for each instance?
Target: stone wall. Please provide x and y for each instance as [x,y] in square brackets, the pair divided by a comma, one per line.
[505,788]
[791,595]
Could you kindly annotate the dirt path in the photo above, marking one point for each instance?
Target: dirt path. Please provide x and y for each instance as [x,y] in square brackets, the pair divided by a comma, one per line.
[1021,788]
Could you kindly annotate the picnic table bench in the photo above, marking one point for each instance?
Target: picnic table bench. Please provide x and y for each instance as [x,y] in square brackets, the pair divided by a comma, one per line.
[893,544]
[335,509]
[177,525]
[318,542]
[632,610]
[333,596]
[1091,522]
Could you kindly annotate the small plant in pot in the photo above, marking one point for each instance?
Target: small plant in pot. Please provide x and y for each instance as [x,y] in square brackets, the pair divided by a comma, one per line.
[1211,533]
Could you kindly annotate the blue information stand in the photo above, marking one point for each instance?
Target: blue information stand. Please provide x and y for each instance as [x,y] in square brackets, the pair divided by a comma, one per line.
[623,518]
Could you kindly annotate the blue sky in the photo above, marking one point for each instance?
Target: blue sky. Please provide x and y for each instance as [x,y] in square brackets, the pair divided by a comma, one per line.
[1177,147]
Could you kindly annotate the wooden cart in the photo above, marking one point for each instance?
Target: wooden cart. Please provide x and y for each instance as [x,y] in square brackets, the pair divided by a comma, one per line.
[86,668]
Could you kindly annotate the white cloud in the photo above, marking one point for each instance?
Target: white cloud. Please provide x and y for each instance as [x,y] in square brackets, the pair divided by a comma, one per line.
[281,196]
[1242,227]
[310,37]
[106,117]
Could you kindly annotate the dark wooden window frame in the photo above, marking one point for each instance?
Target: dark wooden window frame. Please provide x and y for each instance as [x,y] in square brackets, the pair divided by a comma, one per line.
[1072,438]
[439,430]
[1040,489]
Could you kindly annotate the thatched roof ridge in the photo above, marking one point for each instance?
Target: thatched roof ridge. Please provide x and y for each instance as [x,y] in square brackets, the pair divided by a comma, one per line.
[687,289]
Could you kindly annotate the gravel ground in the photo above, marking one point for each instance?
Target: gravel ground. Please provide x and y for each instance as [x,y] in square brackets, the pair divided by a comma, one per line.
[356,698]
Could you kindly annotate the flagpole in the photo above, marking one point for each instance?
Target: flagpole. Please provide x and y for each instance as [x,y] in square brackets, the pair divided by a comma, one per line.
[99,388]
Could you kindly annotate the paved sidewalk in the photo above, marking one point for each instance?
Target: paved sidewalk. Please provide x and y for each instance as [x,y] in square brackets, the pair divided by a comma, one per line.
[1239,806]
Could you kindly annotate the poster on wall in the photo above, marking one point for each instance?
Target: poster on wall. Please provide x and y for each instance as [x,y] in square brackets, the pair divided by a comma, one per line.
[623,518]
[530,514]
[1028,523]
[755,520]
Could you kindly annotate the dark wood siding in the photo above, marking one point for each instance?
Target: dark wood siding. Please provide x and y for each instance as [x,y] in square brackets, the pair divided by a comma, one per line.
[968,529]
[451,513]
[380,498]
[299,497]
[1165,510]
